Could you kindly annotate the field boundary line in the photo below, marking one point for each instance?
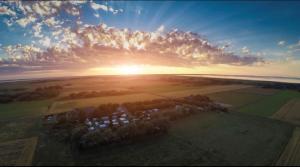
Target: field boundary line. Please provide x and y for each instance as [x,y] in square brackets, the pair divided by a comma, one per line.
[27,155]
[290,155]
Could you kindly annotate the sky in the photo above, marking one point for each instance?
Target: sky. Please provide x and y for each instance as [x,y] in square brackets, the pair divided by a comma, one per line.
[63,38]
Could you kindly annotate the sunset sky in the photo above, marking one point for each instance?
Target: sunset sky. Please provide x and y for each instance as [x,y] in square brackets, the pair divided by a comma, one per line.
[60,38]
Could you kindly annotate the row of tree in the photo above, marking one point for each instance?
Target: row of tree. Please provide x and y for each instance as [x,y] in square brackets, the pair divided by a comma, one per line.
[40,93]
[91,94]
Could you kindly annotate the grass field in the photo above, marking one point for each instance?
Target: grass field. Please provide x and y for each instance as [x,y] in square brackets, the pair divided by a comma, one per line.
[204,139]
[258,90]
[18,152]
[203,90]
[291,154]
[18,110]
[268,105]
[235,98]
[289,112]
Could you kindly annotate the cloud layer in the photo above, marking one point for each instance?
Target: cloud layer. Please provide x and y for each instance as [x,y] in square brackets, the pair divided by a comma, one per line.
[85,45]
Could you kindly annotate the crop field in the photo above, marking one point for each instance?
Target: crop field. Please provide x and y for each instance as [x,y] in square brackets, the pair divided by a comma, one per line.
[258,90]
[63,106]
[246,137]
[291,154]
[204,139]
[18,152]
[268,105]
[203,90]
[289,112]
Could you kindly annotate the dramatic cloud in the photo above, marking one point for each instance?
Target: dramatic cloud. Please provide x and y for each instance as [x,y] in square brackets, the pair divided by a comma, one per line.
[57,43]
[103,45]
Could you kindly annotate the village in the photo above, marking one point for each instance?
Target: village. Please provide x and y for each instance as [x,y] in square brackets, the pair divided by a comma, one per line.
[115,123]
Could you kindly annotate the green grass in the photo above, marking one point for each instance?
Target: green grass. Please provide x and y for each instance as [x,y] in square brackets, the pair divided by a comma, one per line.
[234,98]
[23,109]
[270,104]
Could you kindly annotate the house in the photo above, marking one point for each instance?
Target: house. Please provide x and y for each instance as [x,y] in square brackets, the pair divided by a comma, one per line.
[91,128]
[105,118]
[106,122]
[103,126]
[115,123]
[126,121]
[124,115]
[122,119]
[51,119]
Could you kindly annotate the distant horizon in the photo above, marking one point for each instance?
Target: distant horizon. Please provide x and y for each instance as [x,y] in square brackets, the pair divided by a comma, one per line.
[220,76]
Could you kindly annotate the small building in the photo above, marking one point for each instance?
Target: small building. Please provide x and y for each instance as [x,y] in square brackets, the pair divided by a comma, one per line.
[125,122]
[122,119]
[91,128]
[106,122]
[103,126]
[115,123]
[105,118]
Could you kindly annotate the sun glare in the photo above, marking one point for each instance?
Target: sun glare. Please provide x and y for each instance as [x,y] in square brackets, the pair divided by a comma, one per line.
[129,69]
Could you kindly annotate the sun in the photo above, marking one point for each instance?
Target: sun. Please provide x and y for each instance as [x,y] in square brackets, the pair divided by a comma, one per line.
[129,69]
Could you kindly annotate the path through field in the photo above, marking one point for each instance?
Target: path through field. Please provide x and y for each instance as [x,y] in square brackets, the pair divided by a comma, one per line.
[291,154]
[18,152]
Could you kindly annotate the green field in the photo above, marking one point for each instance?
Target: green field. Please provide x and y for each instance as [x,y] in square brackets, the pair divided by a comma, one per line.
[18,110]
[235,99]
[268,105]
[247,137]
[204,139]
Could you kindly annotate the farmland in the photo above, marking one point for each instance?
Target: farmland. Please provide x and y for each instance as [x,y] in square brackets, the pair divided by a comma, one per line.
[256,131]
[23,109]
[212,144]
[269,105]
[18,152]
[289,112]
[291,154]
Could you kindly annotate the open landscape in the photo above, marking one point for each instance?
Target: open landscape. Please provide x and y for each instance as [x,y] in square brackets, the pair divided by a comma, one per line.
[149,83]
[258,127]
